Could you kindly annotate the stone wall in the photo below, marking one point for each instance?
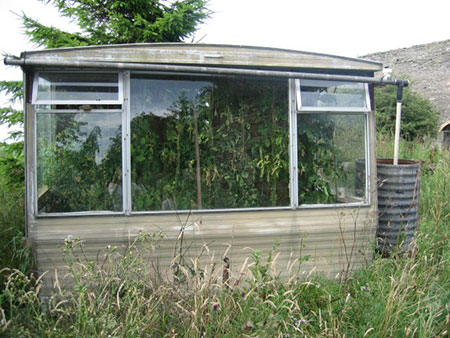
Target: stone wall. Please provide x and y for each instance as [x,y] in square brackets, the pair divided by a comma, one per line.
[427,67]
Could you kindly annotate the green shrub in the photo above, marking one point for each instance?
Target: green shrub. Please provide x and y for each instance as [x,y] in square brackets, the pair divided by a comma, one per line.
[419,116]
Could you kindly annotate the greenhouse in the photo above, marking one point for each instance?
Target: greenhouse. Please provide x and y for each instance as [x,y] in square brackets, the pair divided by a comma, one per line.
[238,147]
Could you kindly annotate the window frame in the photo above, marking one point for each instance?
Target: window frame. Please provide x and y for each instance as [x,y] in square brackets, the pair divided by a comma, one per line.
[294,108]
[306,109]
[127,94]
[35,101]
[297,110]
[37,109]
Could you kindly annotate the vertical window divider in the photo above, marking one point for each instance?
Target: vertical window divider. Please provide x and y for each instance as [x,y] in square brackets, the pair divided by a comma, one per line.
[126,145]
[293,145]
[368,103]
[367,155]
[368,149]
[297,94]
[35,86]
[30,127]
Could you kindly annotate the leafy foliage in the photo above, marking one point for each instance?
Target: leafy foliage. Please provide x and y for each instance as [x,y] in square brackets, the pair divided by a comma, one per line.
[9,115]
[242,147]
[71,174]
[51,37]
[419,116]
[12,154]
[315,149]
[12,167]
[12,88]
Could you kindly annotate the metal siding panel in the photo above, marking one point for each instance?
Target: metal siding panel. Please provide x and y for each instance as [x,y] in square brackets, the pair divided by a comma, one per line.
[336,240]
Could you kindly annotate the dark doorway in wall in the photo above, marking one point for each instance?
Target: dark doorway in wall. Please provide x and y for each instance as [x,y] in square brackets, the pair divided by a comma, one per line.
[446,135]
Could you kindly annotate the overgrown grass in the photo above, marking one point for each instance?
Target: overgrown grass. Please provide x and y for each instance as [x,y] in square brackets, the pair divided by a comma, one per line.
[397,296]
[13,251]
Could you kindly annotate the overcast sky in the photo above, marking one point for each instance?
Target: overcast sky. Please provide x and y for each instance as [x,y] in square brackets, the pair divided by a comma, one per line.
[341,27]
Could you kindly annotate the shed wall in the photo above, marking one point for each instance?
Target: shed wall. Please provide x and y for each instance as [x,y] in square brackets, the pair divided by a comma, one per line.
[335,239]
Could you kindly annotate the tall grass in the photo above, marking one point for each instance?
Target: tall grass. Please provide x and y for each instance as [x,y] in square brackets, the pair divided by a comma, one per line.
[401,296]
[13,250]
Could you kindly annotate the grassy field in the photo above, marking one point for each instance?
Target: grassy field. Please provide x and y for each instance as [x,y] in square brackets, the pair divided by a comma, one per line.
[400,296]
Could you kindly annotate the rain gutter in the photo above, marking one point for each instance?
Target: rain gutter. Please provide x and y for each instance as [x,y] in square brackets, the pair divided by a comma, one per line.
[14,61]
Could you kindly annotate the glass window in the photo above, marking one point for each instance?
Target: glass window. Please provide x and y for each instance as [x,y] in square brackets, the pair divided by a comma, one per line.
[77,88]
[331,158]
[204,143]
[198,142]
[322,95]
[79,162]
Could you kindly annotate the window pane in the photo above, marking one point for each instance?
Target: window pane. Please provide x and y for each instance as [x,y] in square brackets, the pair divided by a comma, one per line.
[77,87]
[79,162]
[329,94]
[234,130]
[331,156]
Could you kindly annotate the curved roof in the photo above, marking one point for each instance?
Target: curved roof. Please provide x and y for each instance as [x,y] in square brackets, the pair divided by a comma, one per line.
[204,54]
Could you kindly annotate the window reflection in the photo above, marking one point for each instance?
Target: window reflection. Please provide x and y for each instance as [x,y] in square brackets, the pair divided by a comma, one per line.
[331,158]
[77,87]
[233,129]
[79,162]
[332,94]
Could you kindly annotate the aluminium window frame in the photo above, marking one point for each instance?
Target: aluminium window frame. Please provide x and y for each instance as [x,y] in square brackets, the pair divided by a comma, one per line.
[124,94]
[301,108]
[37,102]
[298,109]
[127,95]
[37,109]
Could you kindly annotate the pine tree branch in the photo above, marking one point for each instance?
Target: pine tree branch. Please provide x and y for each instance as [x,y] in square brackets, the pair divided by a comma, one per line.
[52,37]
[11,116]
[117,22]
[13,89]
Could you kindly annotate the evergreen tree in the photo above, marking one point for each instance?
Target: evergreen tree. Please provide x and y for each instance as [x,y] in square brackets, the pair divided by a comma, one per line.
[120,21]
[12,153]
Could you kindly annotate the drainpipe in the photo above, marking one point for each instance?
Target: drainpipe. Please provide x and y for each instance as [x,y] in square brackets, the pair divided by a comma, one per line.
[398,119]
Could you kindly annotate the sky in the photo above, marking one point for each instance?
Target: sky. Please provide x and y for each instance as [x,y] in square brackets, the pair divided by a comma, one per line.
[340,27]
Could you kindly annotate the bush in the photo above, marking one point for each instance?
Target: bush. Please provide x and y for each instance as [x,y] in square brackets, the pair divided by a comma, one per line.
[419,117]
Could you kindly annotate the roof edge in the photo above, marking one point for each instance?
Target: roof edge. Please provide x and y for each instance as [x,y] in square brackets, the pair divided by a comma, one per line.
[200,45]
